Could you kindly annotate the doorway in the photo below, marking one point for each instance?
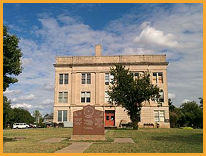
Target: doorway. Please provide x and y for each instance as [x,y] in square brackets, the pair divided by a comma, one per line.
[109,118]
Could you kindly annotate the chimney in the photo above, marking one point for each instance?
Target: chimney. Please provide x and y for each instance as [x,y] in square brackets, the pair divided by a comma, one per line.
[98,50]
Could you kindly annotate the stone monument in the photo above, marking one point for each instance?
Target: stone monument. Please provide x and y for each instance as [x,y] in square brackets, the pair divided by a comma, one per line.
[88,124]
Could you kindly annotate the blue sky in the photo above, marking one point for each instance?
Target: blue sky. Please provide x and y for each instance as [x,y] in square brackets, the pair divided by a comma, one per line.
[48,30]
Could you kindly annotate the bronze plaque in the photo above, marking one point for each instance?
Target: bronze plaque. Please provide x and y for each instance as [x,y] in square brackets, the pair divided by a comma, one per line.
[88,121]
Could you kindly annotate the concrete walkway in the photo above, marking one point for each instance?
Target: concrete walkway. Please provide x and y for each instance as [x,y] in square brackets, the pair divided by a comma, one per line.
[53,140]
[75,147]
[123,140]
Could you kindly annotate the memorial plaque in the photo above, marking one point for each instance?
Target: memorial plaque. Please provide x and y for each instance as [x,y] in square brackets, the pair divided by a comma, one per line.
[88,121]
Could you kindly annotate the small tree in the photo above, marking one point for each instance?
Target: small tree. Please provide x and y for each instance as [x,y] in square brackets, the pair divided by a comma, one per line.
[130,93]
[37,116]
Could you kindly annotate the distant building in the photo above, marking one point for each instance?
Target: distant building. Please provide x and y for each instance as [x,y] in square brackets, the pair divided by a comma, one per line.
[83,80]
[48,119]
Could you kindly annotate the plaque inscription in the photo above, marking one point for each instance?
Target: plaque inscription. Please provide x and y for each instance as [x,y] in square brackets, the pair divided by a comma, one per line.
[88,121]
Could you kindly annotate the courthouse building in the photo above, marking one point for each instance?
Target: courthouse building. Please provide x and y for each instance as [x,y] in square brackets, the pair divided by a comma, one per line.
[85,80]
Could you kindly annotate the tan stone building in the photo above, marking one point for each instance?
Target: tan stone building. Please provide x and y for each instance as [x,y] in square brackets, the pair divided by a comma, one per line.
[85,80]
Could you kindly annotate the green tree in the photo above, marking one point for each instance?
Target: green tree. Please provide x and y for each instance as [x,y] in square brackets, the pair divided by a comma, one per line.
[174,116]
[171,106]
[21,115]
[11,58]
[177,118]
[11,67]
[130,93]
[7,112]
[37,116]
[201,102]
[173,119]
[193,114]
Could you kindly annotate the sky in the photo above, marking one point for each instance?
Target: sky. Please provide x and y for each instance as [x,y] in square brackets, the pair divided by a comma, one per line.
[49,30]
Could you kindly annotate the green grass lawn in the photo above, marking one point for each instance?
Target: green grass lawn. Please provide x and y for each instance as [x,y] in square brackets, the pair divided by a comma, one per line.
[146,141]
[153,141]
[28,140]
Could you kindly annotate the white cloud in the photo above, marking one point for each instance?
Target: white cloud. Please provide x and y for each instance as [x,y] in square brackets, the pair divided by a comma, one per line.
[171,95]
[150,35]
[48,101]
[23,98]
[13,99]
[27,97]
[8,91]
[137,51]
[185,101]
[26,61]
[48,86]
[22,105]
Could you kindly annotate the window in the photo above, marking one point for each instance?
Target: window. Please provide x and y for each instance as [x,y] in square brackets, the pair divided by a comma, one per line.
[139,74]
[108,78]
[62,115]
[159,115]
[106,96]
[66,78]
[86,78]
[161,98]
[63,97]
[63,78]
[157,77]
[136,75]
[60,78]
[85,97]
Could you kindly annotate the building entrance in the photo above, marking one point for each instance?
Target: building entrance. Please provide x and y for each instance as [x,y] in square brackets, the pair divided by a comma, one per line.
[109,118]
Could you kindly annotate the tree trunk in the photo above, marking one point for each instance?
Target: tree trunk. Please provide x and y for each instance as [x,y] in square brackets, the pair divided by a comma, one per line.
[135,121]
[135,124]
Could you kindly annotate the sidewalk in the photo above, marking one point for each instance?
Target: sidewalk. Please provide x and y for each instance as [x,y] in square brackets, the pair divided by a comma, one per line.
[75,147]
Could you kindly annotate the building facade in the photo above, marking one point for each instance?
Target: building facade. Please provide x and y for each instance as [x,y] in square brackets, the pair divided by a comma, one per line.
[85,80]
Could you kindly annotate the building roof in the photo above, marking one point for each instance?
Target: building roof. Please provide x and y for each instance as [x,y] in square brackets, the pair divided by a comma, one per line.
[110,60]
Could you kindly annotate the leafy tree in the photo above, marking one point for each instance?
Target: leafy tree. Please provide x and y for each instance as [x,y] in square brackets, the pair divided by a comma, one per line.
[11,58]
[16,115]
[130,93]
[11,67]
[21,115]
[201,102]
[171,106]
[174,114]
[177,118]
[173,119]
[193,114]
[37,116]
[7,112]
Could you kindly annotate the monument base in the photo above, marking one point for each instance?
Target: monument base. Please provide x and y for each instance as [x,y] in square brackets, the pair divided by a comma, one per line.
[87,137]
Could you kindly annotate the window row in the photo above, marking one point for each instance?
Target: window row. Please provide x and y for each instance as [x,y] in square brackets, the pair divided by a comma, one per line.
[159,115]
[157,77]
[86,97]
